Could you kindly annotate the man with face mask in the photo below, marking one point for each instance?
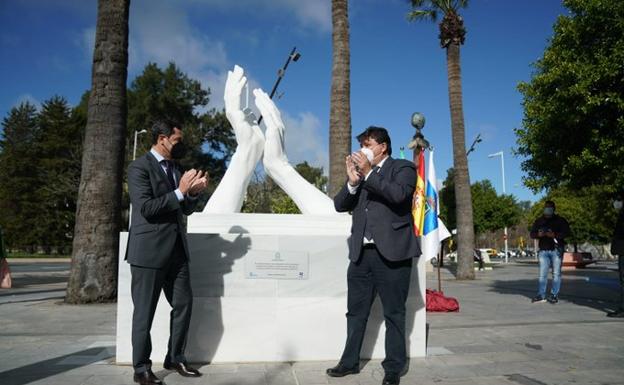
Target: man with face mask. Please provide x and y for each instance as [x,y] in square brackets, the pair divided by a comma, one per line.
[382,245]
[617,248]
[550,230]
[157,247]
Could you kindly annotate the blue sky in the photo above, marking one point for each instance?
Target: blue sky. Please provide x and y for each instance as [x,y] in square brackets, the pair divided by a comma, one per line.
[397,67]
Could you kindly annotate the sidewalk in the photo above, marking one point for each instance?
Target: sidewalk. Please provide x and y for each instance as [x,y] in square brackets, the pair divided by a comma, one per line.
[497,338]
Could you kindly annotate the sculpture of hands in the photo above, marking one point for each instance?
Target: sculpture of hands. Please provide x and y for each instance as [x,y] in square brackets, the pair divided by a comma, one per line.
[228,197]
[307,197]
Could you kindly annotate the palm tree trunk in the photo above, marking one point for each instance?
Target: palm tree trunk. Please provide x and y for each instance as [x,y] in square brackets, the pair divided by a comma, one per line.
[463,199]
[93,276]
[340,108]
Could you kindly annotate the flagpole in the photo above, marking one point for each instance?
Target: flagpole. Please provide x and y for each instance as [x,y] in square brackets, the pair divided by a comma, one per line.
[439,261]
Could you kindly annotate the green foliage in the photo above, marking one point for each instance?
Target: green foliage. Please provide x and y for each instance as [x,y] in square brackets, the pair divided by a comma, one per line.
[589,212]
[573,126]
[491,211]
[429,9]
[59,150]
[18,200]
[40,166]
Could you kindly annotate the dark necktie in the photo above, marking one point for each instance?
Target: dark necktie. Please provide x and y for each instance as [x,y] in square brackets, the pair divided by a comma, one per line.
[169,170]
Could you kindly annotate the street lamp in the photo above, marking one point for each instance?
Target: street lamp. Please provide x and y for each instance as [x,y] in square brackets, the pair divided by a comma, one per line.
[136,135]
[474,143]
[502,156]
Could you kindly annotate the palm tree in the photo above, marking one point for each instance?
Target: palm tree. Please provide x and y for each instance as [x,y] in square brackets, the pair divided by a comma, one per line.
[452,35]
[340,108]
[93,276]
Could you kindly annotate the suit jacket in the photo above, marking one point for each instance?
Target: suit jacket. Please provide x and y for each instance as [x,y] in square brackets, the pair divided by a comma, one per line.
[384,203]
[157,215]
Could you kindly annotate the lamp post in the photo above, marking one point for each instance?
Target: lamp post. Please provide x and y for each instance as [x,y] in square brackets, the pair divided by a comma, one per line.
[136,136]
[502,156]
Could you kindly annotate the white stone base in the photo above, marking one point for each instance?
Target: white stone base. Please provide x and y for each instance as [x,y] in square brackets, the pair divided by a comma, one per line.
[236,319]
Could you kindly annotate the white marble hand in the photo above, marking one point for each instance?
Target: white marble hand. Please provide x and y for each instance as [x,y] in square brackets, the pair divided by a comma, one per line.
[308,198]
[229,195]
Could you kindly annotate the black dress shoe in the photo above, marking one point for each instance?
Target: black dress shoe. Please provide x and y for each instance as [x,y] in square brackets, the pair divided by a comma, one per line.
[340,371]
[182,368]
[391,379]
[147,378]
[616,314]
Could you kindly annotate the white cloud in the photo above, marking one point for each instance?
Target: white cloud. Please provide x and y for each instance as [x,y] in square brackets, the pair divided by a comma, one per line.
[303,140]
[86,42]
[311,14]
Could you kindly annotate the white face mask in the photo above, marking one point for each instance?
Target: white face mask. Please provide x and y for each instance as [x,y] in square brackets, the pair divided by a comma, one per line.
[369,154]
[617,205]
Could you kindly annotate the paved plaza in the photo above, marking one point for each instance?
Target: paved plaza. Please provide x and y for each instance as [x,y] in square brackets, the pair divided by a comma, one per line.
[497,338]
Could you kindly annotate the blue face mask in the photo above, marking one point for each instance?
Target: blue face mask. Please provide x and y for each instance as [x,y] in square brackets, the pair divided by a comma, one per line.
[549,211]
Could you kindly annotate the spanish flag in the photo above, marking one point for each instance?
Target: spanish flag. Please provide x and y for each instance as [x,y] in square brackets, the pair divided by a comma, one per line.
[418,201]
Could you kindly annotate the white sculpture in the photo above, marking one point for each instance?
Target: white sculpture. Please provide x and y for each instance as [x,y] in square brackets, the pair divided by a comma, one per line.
[252,144]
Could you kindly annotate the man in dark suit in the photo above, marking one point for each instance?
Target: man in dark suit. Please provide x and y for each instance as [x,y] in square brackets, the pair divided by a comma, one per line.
[157,248]
[382,246]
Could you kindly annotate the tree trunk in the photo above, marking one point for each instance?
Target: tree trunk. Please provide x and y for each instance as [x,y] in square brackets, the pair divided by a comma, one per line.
[93,276]
[340,108]
[463,199]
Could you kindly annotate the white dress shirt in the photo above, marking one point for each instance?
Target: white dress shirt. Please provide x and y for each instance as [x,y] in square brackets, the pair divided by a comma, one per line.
[160,159]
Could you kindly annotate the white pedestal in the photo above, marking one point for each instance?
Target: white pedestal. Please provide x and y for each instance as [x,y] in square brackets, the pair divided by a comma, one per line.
[237,319]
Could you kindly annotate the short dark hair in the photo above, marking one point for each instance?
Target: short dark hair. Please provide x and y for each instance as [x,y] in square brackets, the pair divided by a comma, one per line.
[550,203]
[163,127]
[379,134]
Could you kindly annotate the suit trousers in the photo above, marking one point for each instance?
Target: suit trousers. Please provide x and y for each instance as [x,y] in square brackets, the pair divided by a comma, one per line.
[147,283]
[369,276]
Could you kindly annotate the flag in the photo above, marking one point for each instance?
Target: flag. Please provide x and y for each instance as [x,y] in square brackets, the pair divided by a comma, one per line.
[434,230]
[418,201]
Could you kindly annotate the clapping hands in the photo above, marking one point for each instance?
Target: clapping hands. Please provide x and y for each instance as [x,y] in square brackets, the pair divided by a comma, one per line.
[193,182]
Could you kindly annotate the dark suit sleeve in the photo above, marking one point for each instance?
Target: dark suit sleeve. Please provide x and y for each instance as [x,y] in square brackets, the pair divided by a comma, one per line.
[189,203]
[395,190]
[345,201]
[142,198]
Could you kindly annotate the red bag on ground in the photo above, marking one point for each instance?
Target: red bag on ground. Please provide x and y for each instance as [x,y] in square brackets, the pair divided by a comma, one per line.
[5,274]
[436,301]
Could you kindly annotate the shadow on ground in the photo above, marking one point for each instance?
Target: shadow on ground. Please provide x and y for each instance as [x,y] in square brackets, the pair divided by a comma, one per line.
[54,366]
[594,288]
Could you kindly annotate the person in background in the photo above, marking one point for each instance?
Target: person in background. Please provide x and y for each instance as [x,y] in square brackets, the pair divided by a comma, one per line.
[5,272]
[550,230]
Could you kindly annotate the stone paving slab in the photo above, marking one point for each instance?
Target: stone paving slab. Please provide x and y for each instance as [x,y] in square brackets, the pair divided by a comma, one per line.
[497,338]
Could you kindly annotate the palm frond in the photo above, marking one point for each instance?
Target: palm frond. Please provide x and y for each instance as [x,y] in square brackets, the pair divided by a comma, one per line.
[462,4]
[422,14]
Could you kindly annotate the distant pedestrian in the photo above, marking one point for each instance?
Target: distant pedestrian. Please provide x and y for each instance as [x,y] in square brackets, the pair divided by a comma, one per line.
[478,257]
[617,248]
[5,272]
[550,230]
